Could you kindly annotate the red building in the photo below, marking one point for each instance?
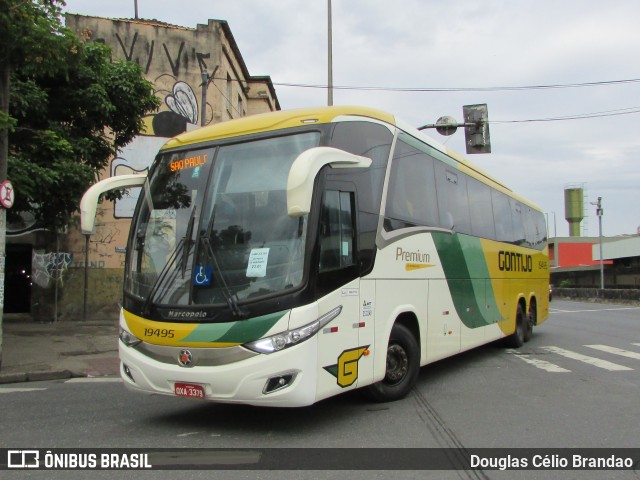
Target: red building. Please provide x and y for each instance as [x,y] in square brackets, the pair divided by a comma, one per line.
[575,261]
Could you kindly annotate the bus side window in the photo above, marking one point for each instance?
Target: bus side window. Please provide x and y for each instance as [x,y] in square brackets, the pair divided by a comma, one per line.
[412,189]
[336,230]
[453,201]
[502,217]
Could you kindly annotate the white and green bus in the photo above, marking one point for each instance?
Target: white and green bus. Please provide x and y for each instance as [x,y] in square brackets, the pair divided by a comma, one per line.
[284,258]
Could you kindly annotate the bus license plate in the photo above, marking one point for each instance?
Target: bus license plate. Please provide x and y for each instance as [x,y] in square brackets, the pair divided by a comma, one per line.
[189,390]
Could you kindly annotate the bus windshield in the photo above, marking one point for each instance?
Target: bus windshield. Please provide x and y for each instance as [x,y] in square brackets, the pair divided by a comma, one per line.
[212,225]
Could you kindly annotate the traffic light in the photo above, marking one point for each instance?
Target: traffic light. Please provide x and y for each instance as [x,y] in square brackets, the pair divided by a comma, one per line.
[476,128]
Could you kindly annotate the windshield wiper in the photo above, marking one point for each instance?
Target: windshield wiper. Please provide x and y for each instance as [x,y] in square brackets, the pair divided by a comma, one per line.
[187,241]
[163,275]
[229,296]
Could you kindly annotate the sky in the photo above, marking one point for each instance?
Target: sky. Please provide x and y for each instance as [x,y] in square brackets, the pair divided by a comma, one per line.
[466,52]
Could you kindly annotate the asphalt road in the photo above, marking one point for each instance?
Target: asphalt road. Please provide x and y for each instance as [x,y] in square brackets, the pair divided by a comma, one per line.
[576,384]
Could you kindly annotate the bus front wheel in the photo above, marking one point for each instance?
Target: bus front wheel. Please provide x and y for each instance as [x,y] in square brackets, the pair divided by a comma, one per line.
[403,366]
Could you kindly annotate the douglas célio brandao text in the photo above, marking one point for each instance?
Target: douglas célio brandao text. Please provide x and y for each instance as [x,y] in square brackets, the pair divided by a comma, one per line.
[551,462]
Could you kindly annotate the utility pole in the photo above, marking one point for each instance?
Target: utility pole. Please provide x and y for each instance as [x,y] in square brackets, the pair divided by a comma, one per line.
[4,157]
[599,213]
[205,84]
[329,57]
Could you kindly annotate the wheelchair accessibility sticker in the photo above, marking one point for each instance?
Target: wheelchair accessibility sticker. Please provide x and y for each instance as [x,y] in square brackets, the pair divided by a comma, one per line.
[202,276]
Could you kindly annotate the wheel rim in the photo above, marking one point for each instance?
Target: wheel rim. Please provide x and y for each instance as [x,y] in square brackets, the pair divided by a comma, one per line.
[397,364]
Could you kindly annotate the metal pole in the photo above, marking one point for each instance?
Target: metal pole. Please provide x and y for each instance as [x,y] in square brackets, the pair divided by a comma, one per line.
[135,4]
[599,212]
[205,82]
[86,277]
[330,57]
[56,277]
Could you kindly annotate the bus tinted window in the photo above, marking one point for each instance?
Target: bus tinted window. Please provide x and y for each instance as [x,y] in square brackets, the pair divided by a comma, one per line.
[502,217]
[369,140]
[480,209]
[452,199]
[412,188]
[336,231]
[517,217]
[535,228]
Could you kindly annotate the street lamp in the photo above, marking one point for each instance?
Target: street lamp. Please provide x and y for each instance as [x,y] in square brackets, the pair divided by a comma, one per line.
[599,212]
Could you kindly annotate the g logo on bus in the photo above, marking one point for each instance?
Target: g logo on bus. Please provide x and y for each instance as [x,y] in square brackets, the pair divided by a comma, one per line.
[346,370]
[185,359]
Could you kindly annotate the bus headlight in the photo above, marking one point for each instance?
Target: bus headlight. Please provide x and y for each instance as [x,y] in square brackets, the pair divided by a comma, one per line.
[128,338]
[289,338]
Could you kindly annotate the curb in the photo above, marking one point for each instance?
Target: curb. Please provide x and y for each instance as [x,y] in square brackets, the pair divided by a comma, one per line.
[34,376]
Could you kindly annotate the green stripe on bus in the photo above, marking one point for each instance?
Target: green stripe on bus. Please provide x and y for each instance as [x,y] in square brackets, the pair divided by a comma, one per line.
[467,275]
[242,331]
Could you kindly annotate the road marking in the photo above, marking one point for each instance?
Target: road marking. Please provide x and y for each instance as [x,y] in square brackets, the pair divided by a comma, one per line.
[542,364]
[616,351]
[16,390]
[557,310]
[596,362]
[94,380]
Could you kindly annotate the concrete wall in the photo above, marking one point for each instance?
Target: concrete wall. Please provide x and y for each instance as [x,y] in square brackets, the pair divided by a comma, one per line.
[626,296]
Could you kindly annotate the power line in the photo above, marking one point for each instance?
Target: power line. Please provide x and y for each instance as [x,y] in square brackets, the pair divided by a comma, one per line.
[463,89]
[606,113]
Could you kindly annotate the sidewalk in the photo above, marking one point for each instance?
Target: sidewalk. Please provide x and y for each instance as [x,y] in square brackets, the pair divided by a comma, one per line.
[33,351]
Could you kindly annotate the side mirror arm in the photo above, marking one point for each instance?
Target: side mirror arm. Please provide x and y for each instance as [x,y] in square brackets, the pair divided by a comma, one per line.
[304,171]
[89,202]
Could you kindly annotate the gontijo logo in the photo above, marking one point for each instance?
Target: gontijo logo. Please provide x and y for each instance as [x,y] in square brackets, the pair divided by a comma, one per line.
[514,262]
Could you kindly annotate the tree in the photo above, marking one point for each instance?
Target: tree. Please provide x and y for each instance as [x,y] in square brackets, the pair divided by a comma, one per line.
[25,26]
[70,122]
[65,110]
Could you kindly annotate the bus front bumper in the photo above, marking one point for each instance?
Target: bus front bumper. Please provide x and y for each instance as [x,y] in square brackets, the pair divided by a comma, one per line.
[285,379]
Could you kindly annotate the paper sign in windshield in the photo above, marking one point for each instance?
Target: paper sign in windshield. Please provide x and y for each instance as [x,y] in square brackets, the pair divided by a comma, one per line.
[258,262]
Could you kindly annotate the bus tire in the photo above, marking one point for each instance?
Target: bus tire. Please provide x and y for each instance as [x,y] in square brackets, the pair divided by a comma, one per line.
[516,339]
[530,321]
[403,366]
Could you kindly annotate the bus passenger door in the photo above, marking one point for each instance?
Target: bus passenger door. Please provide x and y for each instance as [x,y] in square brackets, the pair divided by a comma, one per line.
[339,350]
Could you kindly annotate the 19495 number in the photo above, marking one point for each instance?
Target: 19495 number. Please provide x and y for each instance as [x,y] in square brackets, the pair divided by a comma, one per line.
[159,332]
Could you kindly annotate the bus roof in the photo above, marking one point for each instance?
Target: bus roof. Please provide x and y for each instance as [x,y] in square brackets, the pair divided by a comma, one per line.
[282,119]
[265,122]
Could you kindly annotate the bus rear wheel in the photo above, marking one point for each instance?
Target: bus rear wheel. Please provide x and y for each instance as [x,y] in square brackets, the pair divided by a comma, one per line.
[516,339]
[403,366]
[530,321]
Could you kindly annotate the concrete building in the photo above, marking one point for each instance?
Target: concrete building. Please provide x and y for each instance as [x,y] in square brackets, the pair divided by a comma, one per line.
[202,79]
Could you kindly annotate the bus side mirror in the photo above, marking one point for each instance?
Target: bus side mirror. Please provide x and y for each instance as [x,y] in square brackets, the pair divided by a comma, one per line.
[304,170]
[89,202]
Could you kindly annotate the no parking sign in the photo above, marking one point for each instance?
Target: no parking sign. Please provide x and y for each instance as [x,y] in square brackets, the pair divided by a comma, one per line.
[6,194]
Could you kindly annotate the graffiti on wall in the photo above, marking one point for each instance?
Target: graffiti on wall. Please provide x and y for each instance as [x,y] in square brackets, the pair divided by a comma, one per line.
[178,95]
[47,268]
